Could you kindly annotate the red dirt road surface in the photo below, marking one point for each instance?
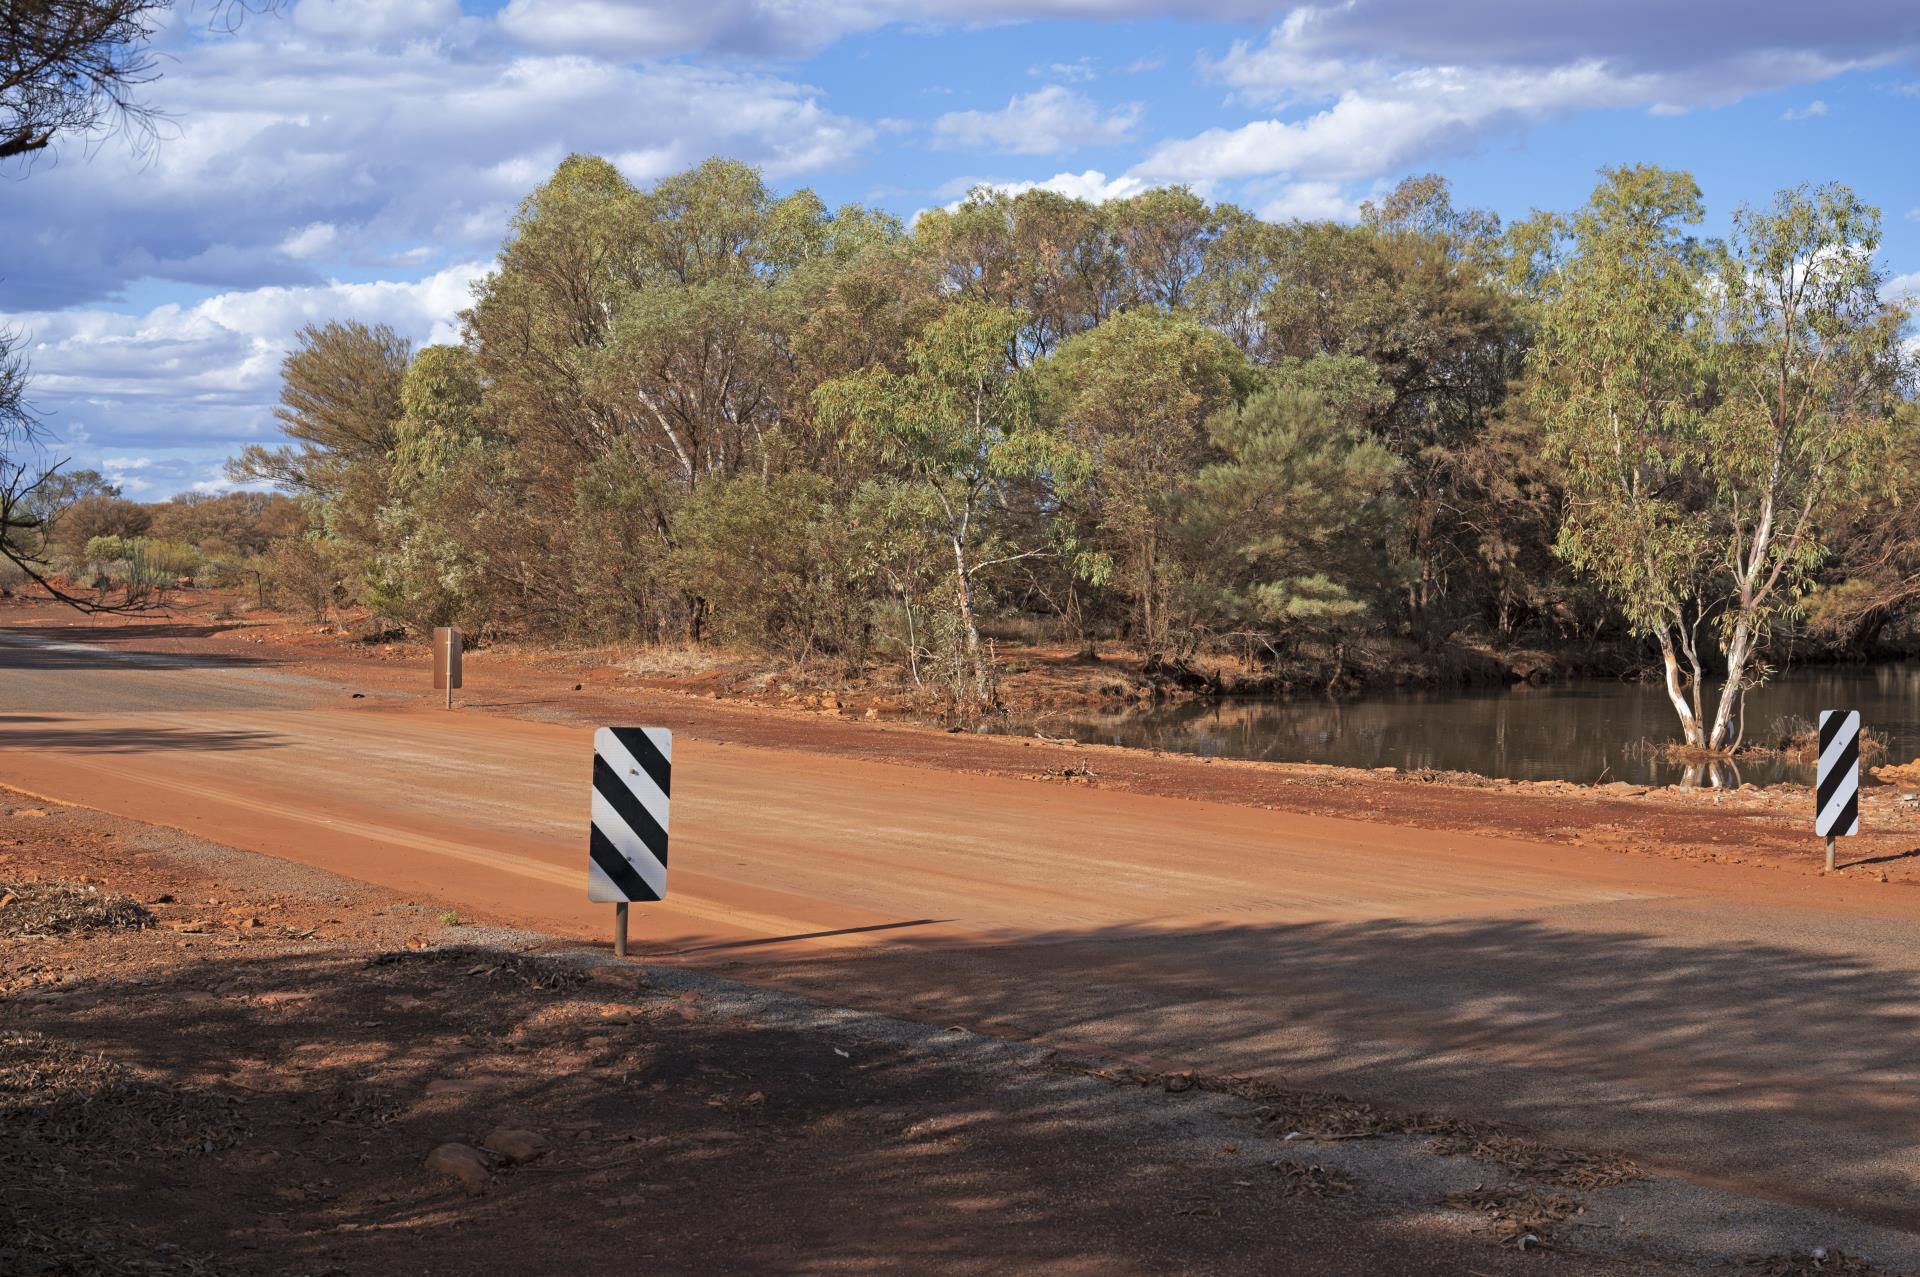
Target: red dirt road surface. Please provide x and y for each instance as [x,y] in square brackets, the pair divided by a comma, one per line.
[1732,1022]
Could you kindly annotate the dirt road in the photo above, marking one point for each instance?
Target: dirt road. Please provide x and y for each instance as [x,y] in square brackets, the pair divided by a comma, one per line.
[1737,1024]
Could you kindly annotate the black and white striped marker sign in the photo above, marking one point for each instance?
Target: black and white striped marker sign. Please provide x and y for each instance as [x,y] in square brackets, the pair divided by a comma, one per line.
[1836,784]
[627,847]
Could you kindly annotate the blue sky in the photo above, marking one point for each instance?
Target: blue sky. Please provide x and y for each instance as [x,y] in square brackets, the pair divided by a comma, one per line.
[359,158]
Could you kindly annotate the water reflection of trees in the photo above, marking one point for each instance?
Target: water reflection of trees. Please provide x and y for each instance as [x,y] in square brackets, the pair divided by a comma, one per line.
[1717,773]
[1587,732]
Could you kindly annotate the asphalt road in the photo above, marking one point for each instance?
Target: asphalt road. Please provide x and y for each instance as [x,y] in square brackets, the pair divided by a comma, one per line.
[1742,1026]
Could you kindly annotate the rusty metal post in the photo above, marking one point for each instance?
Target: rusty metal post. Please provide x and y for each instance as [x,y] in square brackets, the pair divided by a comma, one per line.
[620,929]
[446,660]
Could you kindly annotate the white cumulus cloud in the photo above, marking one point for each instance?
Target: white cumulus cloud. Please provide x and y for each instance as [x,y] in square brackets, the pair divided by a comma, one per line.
[1048,121]
[1366,89]
[187,385]
[375,20]
[395,147]
[311,240]
[1310,202]
[1394,120]
[1091,185]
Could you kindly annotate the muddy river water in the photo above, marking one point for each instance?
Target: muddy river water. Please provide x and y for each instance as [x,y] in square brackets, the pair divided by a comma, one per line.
[1584,731]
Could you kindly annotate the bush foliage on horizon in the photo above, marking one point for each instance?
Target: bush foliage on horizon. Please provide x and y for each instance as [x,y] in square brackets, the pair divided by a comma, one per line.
[707,409]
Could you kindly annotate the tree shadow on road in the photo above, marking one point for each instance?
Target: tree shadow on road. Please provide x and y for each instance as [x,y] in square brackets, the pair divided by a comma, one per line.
[277,1110]
[46,649]
[1791,1069]
[43,733]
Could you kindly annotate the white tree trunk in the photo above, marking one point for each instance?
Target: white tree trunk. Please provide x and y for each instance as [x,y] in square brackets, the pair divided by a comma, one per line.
[1689,718]
[1738,653]
[964,577]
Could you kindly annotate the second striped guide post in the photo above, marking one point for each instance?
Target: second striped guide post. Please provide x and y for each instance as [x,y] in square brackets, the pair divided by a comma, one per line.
[1836,786]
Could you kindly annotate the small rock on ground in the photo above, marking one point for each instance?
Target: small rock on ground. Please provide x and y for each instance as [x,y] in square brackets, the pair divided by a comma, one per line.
[516,1145]
[463,1163]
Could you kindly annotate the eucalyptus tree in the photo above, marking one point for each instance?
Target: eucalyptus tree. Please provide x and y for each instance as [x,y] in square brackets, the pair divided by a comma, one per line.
[1239,265]
[69,69]
[1134,396]
[340,405]
[654,319]
[78,68]
[1811,368]
[636,344]
[958,424]
[1162,236]
[1871,581]
[434,564]
[22,504]
[1412,289]
[1619,372]
[1447,340]
[1050,257]
[1711,401]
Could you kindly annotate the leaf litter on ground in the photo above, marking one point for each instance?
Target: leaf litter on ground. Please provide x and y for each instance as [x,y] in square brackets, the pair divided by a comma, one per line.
[1309,1179]
[59,908]
[1325,1116]
[34,1243]
[1516,1215]
[543,974]
[1819,1263]
[58,1103]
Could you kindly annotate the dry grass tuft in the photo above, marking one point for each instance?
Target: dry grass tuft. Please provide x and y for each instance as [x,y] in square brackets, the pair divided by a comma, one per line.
[543,974]
[1797,740]
[677,660]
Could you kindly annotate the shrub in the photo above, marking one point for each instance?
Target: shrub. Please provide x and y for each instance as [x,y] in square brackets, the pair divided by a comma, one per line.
[430,569]
[111,548]
[168,560]
[305,572]
[99,515]
[780,566]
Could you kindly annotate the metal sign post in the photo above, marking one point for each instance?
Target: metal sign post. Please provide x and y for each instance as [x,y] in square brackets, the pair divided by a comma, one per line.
[446,660]
[1836,785]
[627,833]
